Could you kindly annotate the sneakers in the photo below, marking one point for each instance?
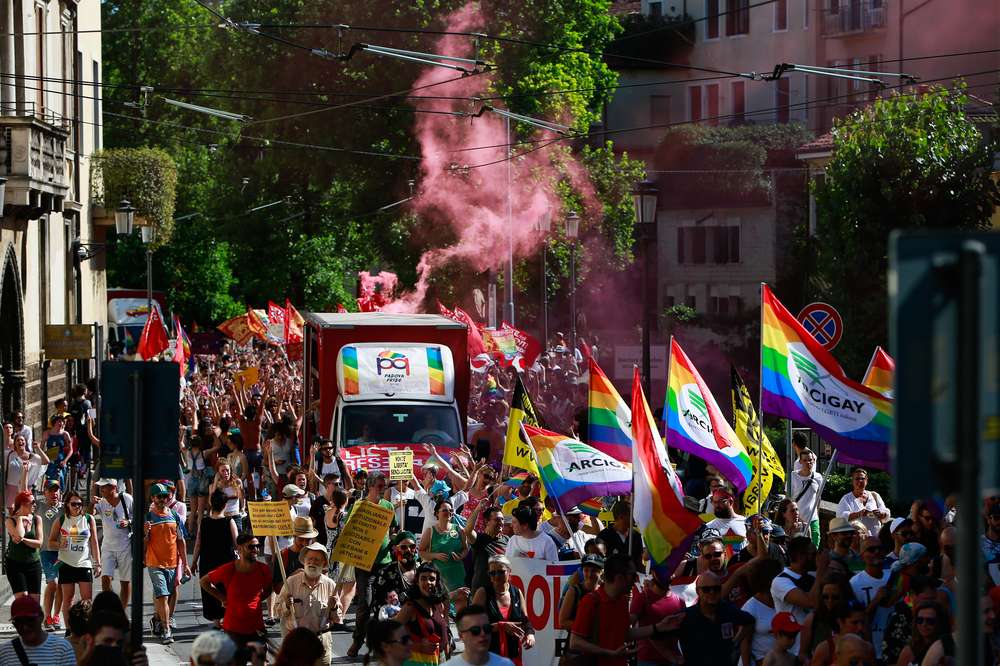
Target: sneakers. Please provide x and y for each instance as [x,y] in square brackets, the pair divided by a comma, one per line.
[173,622]
[56,623]
[155,626]
[168,637]
[48,624]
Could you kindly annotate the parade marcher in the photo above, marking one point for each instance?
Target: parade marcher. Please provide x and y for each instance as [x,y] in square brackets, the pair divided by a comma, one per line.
[58,447]
[388,642]
[713,629]
[477,634]
[329,484]
[761,608]
[901,532]
[899,626]
[834,592]
[199,479]
[165,547]
[25,529]
[620,531]
[990,541]
[214,546]
[334,519]
[653,603]
[307,598]
[485,543]
[303,534]
[785,631]
[602,625]
[245,586]
[795,589]
[866,585]
[841,535]
[230,486]
[116,511]
[591,567]
[214,648]
[806,484]
[731,525]
[849,619]
[863,504]
[376,485]
[930,623]
[301,647]
[33,645]
[80,410]
[20,428]
[445,545]
[397,577]
[74,534]
[528,541]
[24,466]
[103,644]
[425,615]
[788,517]
[505,608]
[49,508]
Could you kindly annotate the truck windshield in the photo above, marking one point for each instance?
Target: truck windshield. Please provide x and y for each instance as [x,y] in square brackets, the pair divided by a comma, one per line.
[400,424]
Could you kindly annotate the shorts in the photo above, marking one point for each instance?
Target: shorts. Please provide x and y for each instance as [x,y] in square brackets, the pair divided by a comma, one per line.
[70,575]
[24,576]
[198,483]
[163,581]
[49,568]
[117,564]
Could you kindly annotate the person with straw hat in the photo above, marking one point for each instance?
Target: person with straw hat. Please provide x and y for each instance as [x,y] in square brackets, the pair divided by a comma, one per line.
[308,597]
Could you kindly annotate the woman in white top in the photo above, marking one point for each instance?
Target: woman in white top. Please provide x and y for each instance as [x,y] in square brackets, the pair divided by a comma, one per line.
[24,468]
[230,486]
[528,541]
[74,535]
[862,504]
[761,607]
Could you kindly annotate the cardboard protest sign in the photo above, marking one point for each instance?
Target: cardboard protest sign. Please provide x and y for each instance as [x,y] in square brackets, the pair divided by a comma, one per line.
[401,465]
[362,536]
[246,378]
[270,518]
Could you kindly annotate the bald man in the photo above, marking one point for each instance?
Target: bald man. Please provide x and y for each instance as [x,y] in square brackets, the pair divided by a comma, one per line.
[852,650]
[712,628]
[866,585]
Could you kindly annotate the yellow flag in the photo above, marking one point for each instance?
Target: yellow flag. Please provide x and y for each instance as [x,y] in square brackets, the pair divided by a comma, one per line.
[765,461]
[517,452]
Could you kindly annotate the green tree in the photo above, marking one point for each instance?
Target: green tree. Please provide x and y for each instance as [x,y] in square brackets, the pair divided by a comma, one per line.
[905,162]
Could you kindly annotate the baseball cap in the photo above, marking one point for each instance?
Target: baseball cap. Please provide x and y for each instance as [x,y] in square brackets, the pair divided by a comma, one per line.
[777,531]
[898,523]
[574,511]
[106,482]
[53,483]
[292,490]
[159,490]
[786,622]
[840,525]
[319,548]
[25,607]
[592,561]
[213,645]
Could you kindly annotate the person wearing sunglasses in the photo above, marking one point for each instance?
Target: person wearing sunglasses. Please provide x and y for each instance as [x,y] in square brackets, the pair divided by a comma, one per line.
[245,586]
[388,643]
[930,623]
[505,607]
[74,534]
[713,629]
[477,633]
[849,619]
[834,592]
[866,585]
[24,567]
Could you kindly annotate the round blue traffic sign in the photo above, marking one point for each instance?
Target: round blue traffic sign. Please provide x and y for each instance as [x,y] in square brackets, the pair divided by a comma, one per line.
[824,323]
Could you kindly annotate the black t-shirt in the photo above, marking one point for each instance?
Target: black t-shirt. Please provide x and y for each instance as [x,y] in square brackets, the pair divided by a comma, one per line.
[616,544]
[483,548]
[80,411]
[712,643]
[318,514]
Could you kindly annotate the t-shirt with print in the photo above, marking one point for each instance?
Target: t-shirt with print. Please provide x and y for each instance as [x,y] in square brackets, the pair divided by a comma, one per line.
[50,514]
[115,538]
[54,651]
[865,587]
[541,547]
[245,593]
[494,660]
[711,642]
[161,547]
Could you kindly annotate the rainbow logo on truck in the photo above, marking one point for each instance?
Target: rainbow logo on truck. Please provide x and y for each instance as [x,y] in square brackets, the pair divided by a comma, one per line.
[388,361]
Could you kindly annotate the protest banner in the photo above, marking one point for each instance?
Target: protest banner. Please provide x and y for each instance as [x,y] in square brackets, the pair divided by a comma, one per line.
[542,584]
[246,378]
[270,519]
[401,465]
[362,536]
[375,458]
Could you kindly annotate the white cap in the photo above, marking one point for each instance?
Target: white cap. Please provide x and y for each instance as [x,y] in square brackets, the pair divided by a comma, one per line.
[215,645]
[292,490]
[106,482]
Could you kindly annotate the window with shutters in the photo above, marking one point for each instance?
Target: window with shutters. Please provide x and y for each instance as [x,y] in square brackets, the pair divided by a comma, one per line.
[737,17]
[780,15]
[712,103]
[725,305]
[739,97]
[694,104]
[725,245]
[711,19]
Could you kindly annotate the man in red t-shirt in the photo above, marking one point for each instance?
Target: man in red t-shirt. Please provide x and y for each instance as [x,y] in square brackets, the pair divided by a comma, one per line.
[607,608]
[242,587]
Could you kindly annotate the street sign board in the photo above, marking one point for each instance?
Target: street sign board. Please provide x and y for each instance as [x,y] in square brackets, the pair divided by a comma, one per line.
[923,336]
[824,323]
[629,356]
[69,341]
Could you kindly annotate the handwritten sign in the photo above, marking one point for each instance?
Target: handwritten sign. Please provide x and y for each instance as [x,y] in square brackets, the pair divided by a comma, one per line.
[401,465]
[246,378]
[270,518]
[362,537]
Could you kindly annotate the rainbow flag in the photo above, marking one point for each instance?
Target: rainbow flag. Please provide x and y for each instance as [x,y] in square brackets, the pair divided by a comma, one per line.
[572,471]
[435,371]
[879,375]
[609,422]
[666,526]
[803,382]
[695,423]
[350,360]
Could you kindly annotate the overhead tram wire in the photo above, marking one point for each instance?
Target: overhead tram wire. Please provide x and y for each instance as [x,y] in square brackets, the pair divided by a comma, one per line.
[809,104]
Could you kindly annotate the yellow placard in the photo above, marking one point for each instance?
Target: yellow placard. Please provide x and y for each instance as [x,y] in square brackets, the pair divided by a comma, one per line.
[246,378]
[401,465]
[270,518]
[362,536]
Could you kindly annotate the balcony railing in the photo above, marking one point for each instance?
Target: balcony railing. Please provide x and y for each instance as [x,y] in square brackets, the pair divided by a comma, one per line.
[33,158]
[846,17]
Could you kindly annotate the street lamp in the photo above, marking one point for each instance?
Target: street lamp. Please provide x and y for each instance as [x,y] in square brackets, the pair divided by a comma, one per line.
[545,226]
[124,217]
[644,198]
[148,233]
[572,232]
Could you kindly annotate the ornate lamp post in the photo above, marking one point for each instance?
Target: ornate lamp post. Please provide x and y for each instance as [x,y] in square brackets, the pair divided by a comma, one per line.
[644,198]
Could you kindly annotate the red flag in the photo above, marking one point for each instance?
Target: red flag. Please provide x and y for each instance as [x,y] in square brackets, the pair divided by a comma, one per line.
[181,346]
[445,312]
[528,346]
[293,324]
[475,343]
[154,336]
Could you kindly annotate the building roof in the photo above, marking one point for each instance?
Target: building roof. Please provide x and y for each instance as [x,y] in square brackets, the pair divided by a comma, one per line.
[625,7]
[820,144]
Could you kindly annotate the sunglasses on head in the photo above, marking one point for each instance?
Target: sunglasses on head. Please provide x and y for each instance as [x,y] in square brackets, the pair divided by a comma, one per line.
[480,629]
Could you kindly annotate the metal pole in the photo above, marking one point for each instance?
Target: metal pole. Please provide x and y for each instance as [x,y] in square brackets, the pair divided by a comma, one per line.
[572,298]
[149,282]
[138,511]
[788,456]
[545,299]
[826,474]
[967,444]
[509,282]
[647,379]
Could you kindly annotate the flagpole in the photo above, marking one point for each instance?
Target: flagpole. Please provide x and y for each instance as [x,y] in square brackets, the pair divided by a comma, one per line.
[554,496]
[760,405]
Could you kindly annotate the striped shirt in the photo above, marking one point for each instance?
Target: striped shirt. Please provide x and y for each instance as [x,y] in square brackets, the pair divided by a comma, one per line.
[54,651]
[161,547]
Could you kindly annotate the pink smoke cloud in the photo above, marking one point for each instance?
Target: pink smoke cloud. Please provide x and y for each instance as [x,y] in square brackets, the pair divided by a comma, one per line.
[472,200]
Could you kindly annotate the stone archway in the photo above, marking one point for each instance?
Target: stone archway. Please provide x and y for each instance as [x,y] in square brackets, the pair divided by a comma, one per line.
[12,373]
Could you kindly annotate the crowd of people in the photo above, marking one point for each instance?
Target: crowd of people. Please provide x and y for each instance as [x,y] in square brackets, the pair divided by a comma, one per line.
[779,587]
